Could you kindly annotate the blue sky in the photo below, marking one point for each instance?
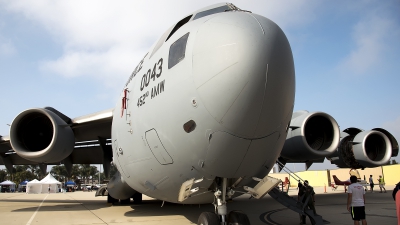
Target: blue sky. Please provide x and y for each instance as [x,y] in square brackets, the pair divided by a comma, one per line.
[76,55]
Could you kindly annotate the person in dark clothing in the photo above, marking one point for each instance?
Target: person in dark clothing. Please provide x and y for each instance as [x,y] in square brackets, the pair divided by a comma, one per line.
[299,194]
[305,192]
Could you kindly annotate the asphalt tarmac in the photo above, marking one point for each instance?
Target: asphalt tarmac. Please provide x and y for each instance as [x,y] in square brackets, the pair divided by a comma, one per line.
[83,208]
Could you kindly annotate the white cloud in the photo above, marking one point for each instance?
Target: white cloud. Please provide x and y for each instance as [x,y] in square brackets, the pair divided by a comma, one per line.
[106,39]
[7,48]
[113,65]
[288,14]
[372,37]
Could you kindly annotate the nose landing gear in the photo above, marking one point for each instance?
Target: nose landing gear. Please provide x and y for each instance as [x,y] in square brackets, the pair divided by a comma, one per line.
[234,218]
[221,217]
[221,191]
[208,218]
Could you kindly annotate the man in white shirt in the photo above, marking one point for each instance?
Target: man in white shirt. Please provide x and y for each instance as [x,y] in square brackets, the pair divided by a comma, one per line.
[356,201]
[371,183]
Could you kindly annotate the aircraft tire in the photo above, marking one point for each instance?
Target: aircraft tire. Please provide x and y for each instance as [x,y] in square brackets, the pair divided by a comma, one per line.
[111,199]
[237,217]
[208,218]
[137,198]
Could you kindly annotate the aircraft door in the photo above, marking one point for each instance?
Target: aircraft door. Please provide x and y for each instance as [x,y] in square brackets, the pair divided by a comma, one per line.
[157,148]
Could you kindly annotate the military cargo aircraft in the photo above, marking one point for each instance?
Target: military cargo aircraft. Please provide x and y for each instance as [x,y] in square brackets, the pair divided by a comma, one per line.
[203,118]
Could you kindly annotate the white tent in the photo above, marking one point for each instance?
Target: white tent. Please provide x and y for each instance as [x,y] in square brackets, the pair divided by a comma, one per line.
[50,184]
[43,186]
[7,186]
[34,187]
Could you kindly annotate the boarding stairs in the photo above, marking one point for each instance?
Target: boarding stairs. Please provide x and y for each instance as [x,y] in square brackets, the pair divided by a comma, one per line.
[297,206]
[292,203]
[270,185]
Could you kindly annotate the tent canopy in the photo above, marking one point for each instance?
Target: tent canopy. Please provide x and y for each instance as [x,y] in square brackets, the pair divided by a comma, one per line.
[24,182]
[7,182]
[49,179]
[7,186]
[70,183]
[47,185]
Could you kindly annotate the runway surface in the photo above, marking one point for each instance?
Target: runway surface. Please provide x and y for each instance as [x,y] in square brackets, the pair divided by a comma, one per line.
[84,208]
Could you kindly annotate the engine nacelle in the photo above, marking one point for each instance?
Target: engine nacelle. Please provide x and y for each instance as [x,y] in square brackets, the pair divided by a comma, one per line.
[118,188]
[310,136]
[393,141]
[361,149]
[40,135]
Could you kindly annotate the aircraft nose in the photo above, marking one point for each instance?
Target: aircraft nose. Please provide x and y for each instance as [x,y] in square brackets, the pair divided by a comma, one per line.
[242,63]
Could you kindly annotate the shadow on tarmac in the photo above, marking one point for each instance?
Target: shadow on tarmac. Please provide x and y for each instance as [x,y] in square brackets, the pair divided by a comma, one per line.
[380,208]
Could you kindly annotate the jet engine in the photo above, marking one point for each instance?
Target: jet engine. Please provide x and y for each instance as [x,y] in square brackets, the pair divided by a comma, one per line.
[42,135]
[311,136]
[361,149]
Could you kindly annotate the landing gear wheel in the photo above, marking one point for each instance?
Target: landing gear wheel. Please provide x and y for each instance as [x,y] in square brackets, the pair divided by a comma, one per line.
[208,218]
[111,199]
[238,218]
[137,198]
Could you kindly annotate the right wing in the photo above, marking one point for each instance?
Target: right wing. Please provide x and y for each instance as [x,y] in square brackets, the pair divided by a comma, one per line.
[314,136]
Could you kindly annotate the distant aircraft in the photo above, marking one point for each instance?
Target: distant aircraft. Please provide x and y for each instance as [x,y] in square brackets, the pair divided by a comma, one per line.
[203,118]
[352,172]
[348,182]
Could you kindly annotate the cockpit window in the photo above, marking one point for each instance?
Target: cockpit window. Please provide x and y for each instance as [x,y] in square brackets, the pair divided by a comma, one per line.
[212,11]
[179,25]
[177,51]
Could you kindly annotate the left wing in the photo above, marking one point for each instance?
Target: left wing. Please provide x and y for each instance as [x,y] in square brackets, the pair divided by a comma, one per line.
[46,136]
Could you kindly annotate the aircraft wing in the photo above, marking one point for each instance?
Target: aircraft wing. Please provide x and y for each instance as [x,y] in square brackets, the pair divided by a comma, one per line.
[89,139]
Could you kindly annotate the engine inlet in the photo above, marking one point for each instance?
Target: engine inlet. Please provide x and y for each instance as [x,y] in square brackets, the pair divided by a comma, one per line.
[319,133]
[375,147]
[35,132]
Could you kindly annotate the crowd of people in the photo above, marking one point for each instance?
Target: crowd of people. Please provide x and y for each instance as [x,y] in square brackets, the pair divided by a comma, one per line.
[355,198]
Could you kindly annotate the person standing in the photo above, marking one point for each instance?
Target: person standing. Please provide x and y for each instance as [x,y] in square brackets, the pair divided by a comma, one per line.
[396,197]
[299,194]
[381,183]
[356,201]
[307,192]
[371,183]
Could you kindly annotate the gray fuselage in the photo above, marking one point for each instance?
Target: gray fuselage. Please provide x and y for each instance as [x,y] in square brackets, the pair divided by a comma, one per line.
[214,99]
